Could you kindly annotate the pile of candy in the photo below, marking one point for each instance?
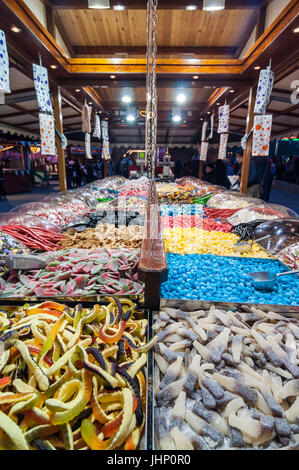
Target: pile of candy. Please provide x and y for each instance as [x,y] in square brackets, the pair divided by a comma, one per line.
[73,378]
[177,210]
[187,221]
[105,235]
[228,200]
[54,213]
[196,240]
[77,273]
[222,380]
[10,246]
[223,279]
[35,238]
[290,256]
[77,207]
[221,213]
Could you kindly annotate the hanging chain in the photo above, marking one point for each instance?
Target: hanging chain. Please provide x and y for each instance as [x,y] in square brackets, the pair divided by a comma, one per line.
[151,88]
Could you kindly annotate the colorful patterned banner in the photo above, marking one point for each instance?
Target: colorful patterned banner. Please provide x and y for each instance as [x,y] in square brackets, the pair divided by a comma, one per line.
[87,146]
[204,131]
[264,90]
[47,134]
[86,115]
[41,85]
[105,133]
[4,65]
[223,119]
[212,128]
[222,146]
[97,127]
[204,151]
[106,152]
[261,135]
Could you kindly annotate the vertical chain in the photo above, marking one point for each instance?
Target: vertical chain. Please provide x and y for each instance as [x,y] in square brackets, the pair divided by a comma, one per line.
[151,88]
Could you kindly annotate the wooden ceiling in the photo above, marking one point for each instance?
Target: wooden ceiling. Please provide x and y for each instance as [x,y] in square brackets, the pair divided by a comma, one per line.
[101,43]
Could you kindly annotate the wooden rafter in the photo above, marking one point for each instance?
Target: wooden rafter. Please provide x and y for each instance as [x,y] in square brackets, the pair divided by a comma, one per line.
[163,4]
[162,50]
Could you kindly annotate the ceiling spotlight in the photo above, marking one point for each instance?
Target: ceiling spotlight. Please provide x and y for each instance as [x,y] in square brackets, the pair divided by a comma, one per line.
[213,5]
[112,76]
[296,30]
[126,99]
[15,29]
[130,117]
[181,97]
[209,112]
[89,102]
[99,4]
[257,67]
[218,104]
[201,119]
[77,90]
[232,91]
[195,77]
[191,7]
[119,7]
[53,67]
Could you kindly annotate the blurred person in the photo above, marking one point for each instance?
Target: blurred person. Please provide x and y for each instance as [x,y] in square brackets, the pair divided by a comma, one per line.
[290,169]
[217,171]
[178,169]
[77,174]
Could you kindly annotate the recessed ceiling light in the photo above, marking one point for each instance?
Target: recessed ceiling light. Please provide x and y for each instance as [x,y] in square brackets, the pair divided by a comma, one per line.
[176,118]
[126,99]
[119,7]
[99,4]
[112,76]
[77,90]
[257,67]
[209,112]
[181,97]
[218,104]
[53,67]
[15,29]
[195,77]
[89,102]
[131,117]
[201,119]
[232,91]
[296,30]
[213,5]
[191,7]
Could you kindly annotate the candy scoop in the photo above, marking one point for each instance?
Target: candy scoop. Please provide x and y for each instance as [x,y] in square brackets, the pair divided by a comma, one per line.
[247,245]
[265,280]
[25,262]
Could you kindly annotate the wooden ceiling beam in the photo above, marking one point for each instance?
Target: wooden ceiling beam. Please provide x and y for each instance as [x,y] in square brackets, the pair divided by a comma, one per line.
[162,50]
[163,4]
[261,21]
[176,81]
[96,98]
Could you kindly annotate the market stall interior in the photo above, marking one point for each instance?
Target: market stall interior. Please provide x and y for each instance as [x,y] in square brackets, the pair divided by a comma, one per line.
[130,317]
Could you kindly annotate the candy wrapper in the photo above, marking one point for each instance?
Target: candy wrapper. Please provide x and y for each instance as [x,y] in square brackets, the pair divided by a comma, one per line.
[86,114]
[47,134]
[41,85]
[223,119]
[264,90]
[4,65]
[261,135]
[204,151]
[222,146]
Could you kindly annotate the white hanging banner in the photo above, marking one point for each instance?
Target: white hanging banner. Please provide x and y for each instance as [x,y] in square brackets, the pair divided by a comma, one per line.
[204,131]
[212,128]
[97,127]
[223,119]
[105,133]
[47,134]
[4,65]
[204,151]
[222,146]
[41,85]
[87,146]
[261,135]
[86,115]
[105,151]
[264,90]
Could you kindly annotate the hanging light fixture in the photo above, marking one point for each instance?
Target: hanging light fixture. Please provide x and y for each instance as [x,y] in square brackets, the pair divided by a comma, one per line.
[213,5]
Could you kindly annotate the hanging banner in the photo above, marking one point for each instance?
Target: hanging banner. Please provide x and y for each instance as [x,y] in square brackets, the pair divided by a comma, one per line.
[87,146]
[264,90]
[106,152]
[204,151]
[4,65]
[41,85]
[261,135]
[212,128]
[105,133]
[97,127]
[204,131]
[47,134]
[222,146]
[223,119]
[86,115]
